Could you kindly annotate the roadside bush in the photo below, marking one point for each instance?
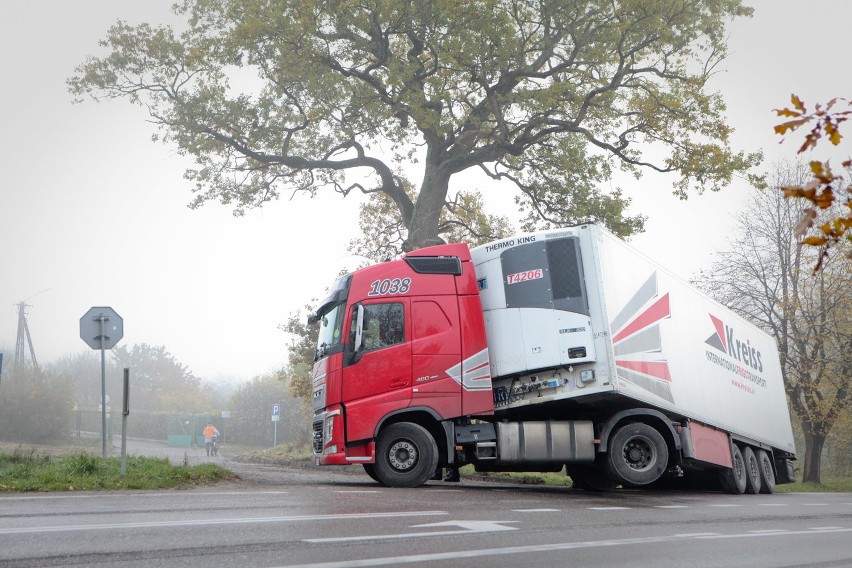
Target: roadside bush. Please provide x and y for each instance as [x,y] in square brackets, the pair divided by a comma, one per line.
[35,406]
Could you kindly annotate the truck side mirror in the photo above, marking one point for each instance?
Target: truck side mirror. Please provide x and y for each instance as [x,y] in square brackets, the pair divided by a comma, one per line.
[359,329]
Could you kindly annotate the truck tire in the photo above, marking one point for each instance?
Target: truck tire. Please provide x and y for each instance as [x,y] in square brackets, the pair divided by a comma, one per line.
[734,479]
[590,478]
[406,455]
[767,473]
[370,469]
[752,471]
[638,455]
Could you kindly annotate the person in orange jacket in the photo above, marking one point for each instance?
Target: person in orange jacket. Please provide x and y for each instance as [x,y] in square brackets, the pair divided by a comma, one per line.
[209,432]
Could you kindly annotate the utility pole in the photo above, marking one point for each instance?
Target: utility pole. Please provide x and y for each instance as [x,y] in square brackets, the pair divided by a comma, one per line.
[23,334]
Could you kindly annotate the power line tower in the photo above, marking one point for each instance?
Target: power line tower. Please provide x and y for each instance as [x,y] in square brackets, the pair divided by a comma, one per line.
[23,333]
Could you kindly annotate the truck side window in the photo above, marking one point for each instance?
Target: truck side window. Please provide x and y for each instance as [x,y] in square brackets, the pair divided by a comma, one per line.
[384,325]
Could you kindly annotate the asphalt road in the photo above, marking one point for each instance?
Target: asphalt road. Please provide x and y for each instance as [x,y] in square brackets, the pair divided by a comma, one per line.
[279,516]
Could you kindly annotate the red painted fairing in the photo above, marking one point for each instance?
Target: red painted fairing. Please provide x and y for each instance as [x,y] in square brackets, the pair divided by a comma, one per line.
[710,445]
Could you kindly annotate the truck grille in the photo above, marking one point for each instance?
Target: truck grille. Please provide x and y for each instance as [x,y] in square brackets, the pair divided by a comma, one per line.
[318,437]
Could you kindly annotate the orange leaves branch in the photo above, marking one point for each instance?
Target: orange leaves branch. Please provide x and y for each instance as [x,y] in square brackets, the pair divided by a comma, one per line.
[823,190]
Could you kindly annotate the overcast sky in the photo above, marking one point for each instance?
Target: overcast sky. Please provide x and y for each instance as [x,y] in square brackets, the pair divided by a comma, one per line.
[95,214]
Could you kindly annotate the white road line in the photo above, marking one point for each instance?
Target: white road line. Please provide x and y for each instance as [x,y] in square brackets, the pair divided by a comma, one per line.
[724,505]
[462,527]
[769,531]
[360,491]
[608,508]
[772,504]
[814,504]
[205,522]
[693,535]
[536,510]
[825,528]
[671,507]
[533,549]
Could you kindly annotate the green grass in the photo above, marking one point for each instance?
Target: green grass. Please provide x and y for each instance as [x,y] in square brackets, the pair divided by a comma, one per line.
[29,470]
[828,485]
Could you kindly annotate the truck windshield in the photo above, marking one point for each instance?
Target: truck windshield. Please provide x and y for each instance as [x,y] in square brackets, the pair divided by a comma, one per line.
[331,330]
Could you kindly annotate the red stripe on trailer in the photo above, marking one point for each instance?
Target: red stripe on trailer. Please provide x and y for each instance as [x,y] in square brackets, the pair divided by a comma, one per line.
[659,310]
[658,369]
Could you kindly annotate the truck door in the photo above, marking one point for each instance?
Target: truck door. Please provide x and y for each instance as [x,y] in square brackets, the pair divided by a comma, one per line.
[377,369]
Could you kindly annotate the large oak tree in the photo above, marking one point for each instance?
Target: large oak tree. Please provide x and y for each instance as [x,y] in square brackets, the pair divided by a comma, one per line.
[272,96]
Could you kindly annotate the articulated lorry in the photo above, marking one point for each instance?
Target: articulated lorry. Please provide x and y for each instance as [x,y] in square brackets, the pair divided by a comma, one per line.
[558,349]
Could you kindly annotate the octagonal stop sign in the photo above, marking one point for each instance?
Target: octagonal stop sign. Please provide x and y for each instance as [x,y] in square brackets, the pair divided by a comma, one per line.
[97,319]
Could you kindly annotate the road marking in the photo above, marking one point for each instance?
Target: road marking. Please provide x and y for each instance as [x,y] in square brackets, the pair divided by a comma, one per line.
[204,522]
[772,504]
[671,507]
[466,526]
[608,508]
[694,535]
[769,531]
[358,491]
[124,496]
[725,505]
[483,553]
[814,504]
[536,510]
[825,528]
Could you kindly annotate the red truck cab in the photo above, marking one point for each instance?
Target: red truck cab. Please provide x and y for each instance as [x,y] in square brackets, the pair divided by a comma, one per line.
[402,351]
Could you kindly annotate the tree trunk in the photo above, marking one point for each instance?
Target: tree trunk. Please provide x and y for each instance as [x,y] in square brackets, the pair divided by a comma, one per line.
[813,455]
[425,222]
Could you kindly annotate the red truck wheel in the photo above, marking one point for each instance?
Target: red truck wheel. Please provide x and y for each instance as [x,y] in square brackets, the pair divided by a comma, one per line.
[406,455]
[370,469]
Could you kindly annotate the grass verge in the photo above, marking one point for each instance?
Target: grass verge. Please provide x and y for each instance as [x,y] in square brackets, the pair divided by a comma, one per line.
[828,485]
[29,470]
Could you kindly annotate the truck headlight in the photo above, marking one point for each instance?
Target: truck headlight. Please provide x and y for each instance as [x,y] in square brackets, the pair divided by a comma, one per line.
[329,428]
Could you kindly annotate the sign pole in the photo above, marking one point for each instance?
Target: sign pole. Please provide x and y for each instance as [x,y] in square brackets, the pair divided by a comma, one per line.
[101,319]
[93,331]
[124,412]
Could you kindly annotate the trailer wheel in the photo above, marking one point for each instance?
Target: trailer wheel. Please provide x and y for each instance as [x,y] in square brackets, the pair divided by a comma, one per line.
[767,473]
[752,471]
[638,455]
[406,455]
[734,479]
[370,469]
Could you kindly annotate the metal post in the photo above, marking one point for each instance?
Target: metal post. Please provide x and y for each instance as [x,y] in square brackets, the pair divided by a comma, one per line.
[101,319]
[124,412]
[275,435]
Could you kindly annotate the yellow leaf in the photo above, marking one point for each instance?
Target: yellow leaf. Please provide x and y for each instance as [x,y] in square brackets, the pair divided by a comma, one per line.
[815,241]
[786,112]
[797,102]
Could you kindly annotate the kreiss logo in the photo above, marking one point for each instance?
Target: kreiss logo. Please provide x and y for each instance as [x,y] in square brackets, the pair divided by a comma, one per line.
[727,342]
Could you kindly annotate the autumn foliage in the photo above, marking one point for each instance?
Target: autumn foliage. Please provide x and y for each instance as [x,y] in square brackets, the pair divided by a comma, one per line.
[826,189]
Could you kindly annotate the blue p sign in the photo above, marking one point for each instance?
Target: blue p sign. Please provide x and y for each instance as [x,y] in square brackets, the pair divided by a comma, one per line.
[276,409]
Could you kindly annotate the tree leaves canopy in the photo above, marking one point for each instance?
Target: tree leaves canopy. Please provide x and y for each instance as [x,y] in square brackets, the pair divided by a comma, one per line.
[274,96]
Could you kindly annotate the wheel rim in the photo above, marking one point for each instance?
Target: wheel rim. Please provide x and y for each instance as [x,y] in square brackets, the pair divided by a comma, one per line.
[639,453]
[402,455]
